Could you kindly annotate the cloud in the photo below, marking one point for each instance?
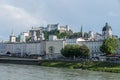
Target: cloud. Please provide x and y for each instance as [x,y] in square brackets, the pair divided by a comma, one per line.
[12,17]
[18,15]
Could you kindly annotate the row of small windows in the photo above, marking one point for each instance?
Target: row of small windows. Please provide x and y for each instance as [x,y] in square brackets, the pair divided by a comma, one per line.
[96,47]
[70,42]
[95,50]
[91,43]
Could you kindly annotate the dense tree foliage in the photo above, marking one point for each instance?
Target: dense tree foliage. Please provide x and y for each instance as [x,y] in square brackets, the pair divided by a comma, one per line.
[68,34]
[52,32]
[75,50]
[57,33]
[78,34]
[109,46]
[84,51]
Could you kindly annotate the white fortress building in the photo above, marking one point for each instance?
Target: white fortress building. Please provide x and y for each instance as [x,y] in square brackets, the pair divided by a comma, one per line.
[36,34]
[52,47]
[57,27]
[50,27]
[23,36]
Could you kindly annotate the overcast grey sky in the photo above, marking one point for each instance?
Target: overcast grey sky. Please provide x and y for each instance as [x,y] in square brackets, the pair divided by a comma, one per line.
[21,15]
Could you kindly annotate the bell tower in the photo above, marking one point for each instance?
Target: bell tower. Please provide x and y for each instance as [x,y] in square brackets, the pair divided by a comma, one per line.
[107,31]
[12,37]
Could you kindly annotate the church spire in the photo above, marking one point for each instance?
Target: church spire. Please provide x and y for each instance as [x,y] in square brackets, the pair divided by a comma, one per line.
[81,31]
[12,33]
[12,37]
[81,28]
[106,23]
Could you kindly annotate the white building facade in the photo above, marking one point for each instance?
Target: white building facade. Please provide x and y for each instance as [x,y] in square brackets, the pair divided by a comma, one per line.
[23,36]
[36,34]
[3,48]
[22,49]
[57,27]
[53,48]
[94,47]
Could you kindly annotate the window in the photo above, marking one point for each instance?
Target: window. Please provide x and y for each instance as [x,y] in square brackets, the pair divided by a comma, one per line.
[51,49]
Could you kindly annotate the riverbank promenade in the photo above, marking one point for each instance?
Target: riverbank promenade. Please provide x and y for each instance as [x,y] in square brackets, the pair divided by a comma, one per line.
[28,61]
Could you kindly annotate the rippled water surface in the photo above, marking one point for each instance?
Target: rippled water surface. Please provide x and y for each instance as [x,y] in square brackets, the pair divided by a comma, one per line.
[32,72]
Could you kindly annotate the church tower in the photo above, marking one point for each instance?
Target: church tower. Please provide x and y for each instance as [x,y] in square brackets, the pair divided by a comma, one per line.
[81,32]
[12,37]
[107,31]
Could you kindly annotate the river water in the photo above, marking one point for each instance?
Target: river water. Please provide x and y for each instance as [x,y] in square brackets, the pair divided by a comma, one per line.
[33,72]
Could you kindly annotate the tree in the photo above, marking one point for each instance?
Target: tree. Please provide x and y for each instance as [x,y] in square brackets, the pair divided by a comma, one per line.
[75,50]
[70,51]
[67,34]
[109,46]
[57,33]
[84,51]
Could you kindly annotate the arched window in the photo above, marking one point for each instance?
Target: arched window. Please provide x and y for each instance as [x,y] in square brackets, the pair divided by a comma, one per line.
[18,50]
[51,49]
[8,53]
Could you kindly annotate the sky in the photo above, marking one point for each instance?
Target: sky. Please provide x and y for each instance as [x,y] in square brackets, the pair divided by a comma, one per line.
[21,15]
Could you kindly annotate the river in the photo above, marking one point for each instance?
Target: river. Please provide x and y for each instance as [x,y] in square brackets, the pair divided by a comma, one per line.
[33,72]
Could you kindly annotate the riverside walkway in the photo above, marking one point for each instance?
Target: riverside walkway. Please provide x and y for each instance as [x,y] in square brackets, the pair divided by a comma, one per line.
[19,60]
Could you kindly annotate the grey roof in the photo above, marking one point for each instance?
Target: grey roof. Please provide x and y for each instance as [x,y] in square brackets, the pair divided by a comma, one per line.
[106,27]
